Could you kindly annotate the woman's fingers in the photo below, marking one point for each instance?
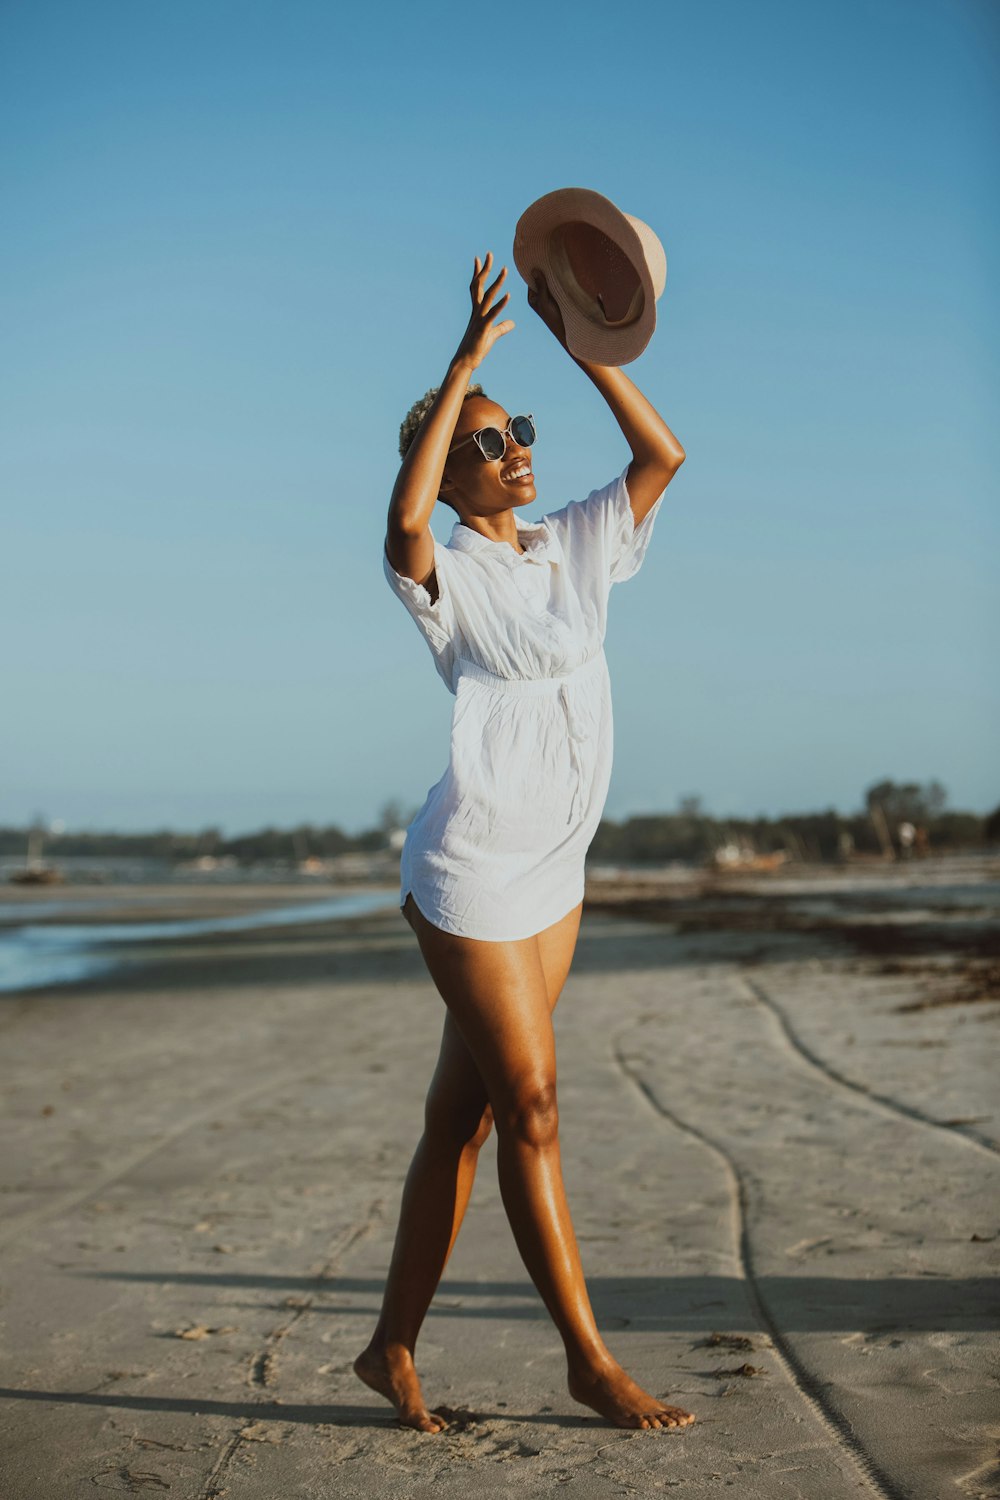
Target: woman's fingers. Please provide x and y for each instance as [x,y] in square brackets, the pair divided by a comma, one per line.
[476,284]
[483,331]
[491,313]
[487,296]
[483,266]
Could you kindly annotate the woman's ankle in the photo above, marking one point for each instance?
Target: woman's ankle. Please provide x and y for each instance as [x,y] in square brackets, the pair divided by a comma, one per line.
[390,1345]
[590,1360]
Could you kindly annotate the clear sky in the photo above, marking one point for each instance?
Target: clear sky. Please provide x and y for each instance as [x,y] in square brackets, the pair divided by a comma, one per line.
[237,244]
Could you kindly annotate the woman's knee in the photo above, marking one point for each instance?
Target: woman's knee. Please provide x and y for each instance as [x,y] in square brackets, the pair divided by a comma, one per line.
[530,1113]
[483,1128]
[457,1125]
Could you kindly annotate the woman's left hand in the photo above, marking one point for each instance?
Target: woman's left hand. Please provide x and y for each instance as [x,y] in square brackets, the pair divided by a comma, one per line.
[541,301]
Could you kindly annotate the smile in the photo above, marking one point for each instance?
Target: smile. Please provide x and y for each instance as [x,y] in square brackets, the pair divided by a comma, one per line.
[522,471]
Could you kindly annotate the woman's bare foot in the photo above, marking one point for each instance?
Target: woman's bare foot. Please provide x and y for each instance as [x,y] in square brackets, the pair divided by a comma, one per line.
[390,1371]
[616,1396]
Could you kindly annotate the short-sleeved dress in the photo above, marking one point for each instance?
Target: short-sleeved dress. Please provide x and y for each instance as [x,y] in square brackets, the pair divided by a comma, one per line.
[497,850]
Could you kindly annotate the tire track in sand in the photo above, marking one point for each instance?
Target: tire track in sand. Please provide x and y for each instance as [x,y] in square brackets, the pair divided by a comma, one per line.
[909,1111]
[872,1477]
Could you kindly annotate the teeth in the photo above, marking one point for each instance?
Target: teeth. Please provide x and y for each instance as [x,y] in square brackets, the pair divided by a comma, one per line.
[519,473]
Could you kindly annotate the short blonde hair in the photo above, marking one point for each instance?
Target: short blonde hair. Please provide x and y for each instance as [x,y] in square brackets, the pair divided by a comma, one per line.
[416,416]
[419,410]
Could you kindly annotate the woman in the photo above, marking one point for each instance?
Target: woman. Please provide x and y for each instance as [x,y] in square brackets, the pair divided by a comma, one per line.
[492,869]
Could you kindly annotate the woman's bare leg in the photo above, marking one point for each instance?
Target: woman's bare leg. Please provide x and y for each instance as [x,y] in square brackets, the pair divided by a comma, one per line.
[457,1120]
[496,993]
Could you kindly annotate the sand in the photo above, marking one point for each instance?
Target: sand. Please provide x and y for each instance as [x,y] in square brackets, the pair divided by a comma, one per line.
[781,1143]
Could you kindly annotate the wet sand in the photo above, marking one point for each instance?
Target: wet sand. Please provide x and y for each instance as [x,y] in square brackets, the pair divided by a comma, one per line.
[781,1142]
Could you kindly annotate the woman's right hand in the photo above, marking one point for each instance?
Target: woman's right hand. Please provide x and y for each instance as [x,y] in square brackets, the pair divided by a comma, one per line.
[482,332]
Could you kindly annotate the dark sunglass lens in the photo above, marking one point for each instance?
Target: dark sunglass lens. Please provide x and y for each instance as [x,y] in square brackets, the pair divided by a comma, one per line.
[522,430]
[492,443]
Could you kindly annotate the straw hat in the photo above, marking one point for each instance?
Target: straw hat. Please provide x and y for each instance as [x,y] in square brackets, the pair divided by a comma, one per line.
[604,268]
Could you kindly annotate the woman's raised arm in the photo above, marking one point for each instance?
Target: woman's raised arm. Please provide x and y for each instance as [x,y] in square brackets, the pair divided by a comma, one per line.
[656,453]
[408,542]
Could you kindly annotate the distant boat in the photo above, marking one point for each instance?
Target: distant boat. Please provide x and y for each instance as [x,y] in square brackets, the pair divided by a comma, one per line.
[35,871]
[38,875]
[741,858]
[207,862]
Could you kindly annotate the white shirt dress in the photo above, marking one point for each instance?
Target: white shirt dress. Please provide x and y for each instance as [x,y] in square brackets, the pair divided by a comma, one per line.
[497,850]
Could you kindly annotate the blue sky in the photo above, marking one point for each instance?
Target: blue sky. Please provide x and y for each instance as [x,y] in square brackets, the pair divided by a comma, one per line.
[237,246]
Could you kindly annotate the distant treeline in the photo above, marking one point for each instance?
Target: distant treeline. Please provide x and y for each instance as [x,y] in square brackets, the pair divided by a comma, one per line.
[807,836]
[689,834]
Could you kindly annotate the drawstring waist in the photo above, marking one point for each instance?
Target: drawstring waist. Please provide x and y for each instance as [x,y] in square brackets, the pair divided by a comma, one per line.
[528,686]
[534,687]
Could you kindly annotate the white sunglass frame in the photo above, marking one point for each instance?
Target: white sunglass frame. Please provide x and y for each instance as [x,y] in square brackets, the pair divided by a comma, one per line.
[505,433]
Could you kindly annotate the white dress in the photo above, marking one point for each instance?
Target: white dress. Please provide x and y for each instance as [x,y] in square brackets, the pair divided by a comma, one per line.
[497,850]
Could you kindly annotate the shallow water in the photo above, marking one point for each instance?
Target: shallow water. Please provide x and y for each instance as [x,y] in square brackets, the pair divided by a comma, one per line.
[37,955]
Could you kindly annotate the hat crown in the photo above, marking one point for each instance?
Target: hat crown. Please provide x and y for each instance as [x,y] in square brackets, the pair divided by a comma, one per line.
[656,259]
[593,268]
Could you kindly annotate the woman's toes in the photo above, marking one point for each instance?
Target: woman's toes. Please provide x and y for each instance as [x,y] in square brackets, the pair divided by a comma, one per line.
[422,1424]
[673,1416]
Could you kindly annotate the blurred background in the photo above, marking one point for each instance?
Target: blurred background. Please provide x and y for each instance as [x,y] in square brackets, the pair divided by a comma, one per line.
[237,246]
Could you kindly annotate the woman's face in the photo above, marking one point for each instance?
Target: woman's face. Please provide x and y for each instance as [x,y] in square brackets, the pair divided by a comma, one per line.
[474,485]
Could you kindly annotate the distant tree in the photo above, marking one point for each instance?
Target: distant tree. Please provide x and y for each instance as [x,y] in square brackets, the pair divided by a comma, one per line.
[958,830]
[690,806]
[392,815]
[936,798]
[209,840]
[907,801]
[991,828]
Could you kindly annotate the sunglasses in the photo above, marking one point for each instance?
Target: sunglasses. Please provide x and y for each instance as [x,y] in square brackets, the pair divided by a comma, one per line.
[492,443]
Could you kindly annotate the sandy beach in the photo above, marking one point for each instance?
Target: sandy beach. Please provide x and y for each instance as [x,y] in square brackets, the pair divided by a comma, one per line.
[781,1142]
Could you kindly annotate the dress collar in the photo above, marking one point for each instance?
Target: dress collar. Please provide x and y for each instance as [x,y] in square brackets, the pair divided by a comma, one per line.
[535,536]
